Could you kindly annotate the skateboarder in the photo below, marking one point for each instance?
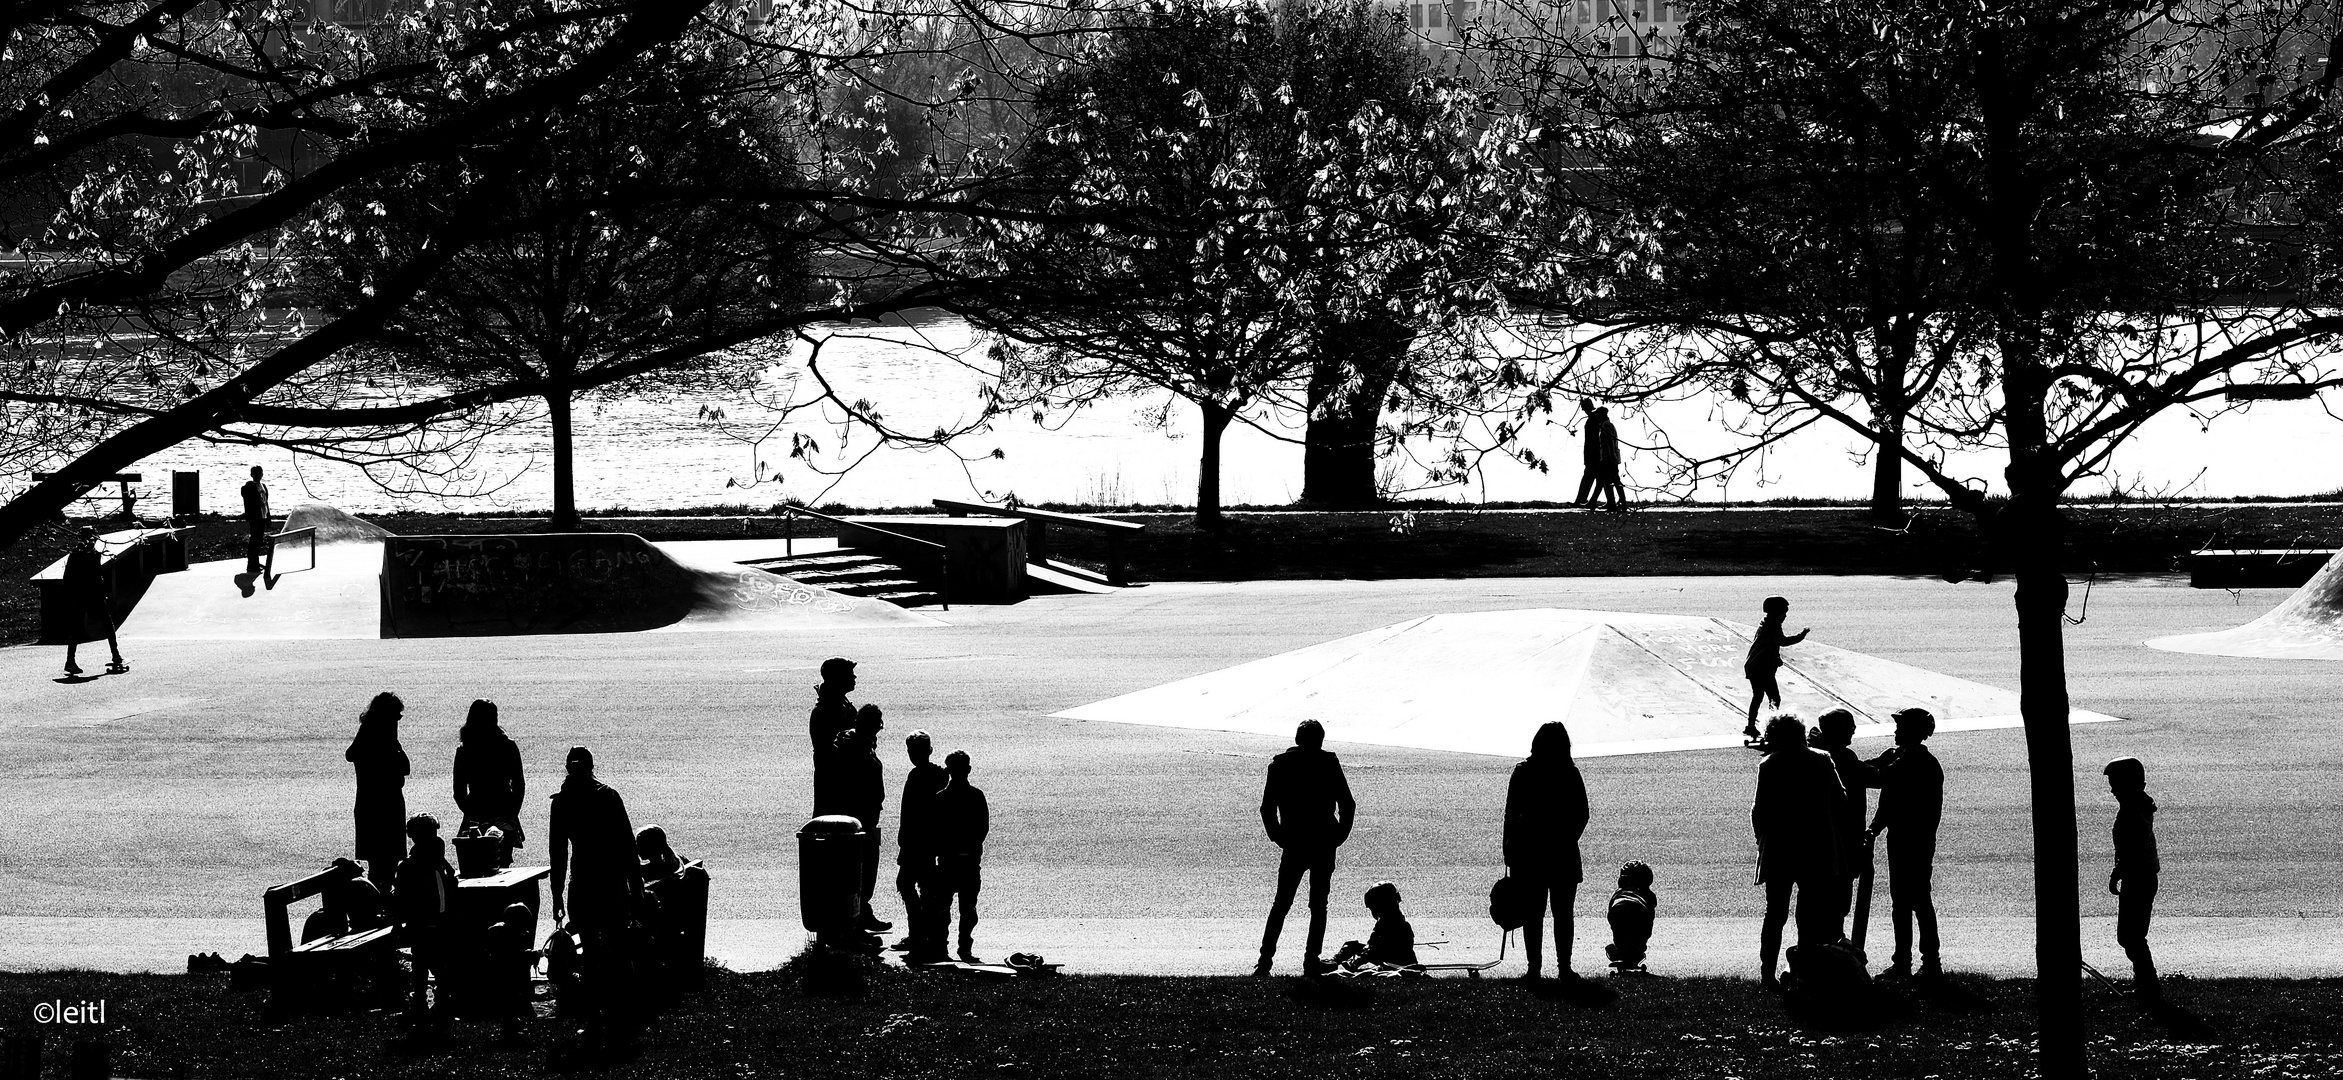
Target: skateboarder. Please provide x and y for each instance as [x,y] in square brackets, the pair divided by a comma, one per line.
[256,518]
[1911,802]
[1307,809]
[1765,661]
[85,582]
[2133,881]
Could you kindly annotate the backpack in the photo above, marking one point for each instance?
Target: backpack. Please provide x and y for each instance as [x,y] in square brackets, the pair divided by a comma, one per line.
[1509,902]
[1827,980]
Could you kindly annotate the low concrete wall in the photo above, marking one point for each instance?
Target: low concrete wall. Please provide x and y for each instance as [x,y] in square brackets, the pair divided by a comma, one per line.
[553,583]
[131,560]
[987,555]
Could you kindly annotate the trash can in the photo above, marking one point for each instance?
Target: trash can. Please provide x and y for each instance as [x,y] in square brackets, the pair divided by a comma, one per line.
[186,495]
[829,873]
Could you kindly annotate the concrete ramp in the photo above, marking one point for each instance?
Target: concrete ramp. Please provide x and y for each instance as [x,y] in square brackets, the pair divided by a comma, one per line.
[2306,626]
[334,594]
[1481,683]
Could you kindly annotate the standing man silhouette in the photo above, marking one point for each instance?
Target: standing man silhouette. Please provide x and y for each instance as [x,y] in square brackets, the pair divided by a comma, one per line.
[1911,802]
[593,848]
[915,858]
[832,713]
[1306,807]
[85,582]
[256,515]
[1797,815]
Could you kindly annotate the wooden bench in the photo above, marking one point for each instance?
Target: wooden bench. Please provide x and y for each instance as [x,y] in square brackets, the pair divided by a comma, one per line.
[296,969]
[1037,523]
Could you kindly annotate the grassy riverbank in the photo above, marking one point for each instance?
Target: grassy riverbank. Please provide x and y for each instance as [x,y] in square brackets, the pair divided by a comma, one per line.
[921,1024]
[2108,538]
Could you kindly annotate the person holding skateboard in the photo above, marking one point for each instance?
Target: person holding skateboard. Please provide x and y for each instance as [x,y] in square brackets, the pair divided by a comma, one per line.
[1911,802]
[1834,734]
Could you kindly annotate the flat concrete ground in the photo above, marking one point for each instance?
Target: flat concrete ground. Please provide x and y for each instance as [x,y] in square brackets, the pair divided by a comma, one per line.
[147,811]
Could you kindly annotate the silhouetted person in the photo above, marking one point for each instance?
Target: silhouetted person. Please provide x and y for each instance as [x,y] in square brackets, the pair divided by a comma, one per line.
[1391,944]
[657,855]
[256,521]
[962,820]
[849,780]
[1307,809]
[489,784]
[1600,457]
[85,583]
[1834,734]
[915,854]
[1911,802]
[593,849]
[1545,814]
[1797,815]
[1632,909]
[664,915]
[832,713]
[2133,881]
[381,808]
[423,898]
[507,941]
[1765,661]
[346,907]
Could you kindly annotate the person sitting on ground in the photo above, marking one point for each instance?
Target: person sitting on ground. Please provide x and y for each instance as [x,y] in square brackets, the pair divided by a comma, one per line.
[346,907]
[1391,945]
[425,893]
[1765,663]
[1632,907]
[2133,881]
[512,961]
[962,821]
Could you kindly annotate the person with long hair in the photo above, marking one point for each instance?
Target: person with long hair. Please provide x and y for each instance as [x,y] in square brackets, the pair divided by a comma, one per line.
[1798,815]
[380,812]
[1545,814]
[489,784]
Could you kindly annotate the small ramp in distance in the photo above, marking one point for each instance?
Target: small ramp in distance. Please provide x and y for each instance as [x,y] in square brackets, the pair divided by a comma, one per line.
[337,597]
[2307,625]
[1482,682]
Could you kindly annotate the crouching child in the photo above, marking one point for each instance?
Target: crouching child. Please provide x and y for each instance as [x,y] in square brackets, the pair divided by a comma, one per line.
[1631,911]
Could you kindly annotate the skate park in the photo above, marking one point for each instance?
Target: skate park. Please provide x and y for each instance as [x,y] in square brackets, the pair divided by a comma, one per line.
[154,807]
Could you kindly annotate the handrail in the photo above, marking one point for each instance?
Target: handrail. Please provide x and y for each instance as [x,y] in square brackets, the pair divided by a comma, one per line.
[1079,521]
[789,512]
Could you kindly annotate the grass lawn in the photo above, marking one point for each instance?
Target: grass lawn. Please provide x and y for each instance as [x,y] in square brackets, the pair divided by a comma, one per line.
[2110,538]
[925,1024]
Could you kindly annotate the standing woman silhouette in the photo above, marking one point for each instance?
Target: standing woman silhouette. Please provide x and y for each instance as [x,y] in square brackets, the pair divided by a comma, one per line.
[381,808]
[1545,814]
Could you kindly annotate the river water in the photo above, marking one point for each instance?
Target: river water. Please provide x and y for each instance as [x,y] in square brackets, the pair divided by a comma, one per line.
[667,452]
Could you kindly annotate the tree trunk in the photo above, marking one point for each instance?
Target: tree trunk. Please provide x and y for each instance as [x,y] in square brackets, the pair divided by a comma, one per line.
[565,487]
[1353,374]
[2031,530]
[1216,421]
[1890,406]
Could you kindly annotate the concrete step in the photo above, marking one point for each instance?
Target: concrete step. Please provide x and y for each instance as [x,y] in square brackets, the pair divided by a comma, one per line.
[857,575]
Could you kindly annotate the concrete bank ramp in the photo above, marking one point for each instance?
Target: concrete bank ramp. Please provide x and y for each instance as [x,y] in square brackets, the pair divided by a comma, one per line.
[482,585]
[334,596]
[1481,683]
[2305,626]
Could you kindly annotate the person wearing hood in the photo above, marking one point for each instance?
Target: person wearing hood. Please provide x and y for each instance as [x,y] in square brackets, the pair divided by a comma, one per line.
[1307,809]
[489,784]
[380,811]
[2133,881]
[1545,814]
